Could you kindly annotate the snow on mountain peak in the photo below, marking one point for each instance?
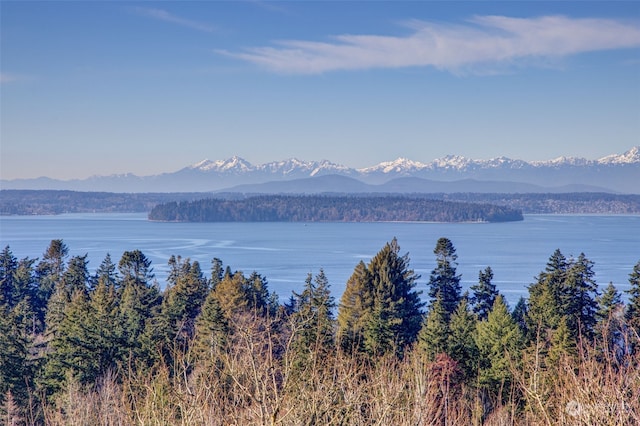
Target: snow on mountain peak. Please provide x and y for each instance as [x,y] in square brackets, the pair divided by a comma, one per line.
[399,165]
[630,157]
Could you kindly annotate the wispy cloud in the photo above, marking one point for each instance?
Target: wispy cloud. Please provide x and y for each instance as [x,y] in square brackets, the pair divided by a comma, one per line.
[163,15]
[480,42]
[11,78]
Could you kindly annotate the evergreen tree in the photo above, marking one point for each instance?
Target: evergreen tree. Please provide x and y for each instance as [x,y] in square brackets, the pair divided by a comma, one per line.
[632,314]
[499,342]
[76,276]
[384,309]
[313,320]
[8,268]
[106,274]
[520,314]
[484,293]
[608,303]
[48,273]
[578,298]
[230,294]
[443,282]
[15,367]
[545,308]
[354,307]
[461,344]
[105,329]
[217,272]
[212,328]
[72,352]
[174,326]
[138,301]
[433,336]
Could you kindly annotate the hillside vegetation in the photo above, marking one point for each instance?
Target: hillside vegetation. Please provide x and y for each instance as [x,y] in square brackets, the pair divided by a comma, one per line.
[111,348]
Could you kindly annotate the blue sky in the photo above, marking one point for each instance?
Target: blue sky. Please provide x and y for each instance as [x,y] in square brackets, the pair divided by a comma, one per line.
[95,88]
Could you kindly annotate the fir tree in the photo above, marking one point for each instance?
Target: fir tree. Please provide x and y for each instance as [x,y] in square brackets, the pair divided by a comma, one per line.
[313,320]
[106,274]
[461,344]
[433,336]
[499,342]
[138,301]
[355,304]
[212,328]
[578,298]
[381,309]
[48,273]
[443,282]
[484,293]
[632,314]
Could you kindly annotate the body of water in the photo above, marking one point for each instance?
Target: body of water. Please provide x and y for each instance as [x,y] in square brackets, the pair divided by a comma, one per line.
[286,252]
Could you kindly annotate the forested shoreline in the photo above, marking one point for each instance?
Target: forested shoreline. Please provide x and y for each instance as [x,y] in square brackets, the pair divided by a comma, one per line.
[219,348]
[319,208]
[42,202]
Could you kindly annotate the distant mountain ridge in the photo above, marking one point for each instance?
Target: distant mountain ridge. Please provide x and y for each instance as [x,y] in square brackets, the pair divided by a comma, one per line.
[613,173]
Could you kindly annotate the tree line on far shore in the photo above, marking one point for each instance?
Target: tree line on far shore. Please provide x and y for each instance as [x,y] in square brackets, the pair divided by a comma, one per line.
[330,208]
[113,348]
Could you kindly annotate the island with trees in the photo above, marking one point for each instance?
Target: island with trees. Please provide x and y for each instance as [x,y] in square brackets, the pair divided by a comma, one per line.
[331,208]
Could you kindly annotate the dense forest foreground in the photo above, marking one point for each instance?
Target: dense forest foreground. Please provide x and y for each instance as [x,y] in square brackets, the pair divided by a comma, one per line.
[36,202]
[112,348]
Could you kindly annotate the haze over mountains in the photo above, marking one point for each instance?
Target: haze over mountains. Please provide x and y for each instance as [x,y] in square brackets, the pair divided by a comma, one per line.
[614,173]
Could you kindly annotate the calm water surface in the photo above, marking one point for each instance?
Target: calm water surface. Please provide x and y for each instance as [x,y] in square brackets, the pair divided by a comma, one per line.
[286,252]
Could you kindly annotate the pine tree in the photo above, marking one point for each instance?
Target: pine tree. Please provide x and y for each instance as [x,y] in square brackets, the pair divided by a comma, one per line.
[484,293]
[443,282]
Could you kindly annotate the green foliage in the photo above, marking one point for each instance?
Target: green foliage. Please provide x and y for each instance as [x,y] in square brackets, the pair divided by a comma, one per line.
[565,292]
[380,312]
[212,328]
[461,343]
[354,307]
[324,208]
[484,293]
[632,314]
[433,336]
[444,284]
[312,319]
[499,343]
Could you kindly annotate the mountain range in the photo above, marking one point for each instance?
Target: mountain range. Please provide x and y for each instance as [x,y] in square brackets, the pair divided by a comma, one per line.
[619,173]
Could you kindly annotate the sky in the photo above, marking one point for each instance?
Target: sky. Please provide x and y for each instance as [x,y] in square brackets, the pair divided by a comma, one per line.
[100,88]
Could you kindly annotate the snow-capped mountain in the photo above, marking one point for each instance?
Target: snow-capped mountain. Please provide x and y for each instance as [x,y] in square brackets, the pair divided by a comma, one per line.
[615,173]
